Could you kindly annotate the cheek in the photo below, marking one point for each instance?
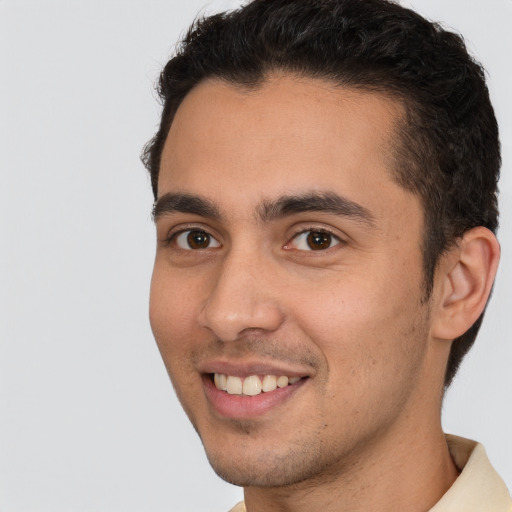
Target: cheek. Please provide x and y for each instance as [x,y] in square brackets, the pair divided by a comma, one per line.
[172,308]
[365,322]
[357,303]
[171,317]
[374,351]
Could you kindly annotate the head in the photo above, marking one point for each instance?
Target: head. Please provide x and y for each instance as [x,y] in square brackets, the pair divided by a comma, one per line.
[447,149]
[325,176]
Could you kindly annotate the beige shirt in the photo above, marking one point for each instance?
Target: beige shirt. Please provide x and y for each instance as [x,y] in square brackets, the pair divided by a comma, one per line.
[477,489]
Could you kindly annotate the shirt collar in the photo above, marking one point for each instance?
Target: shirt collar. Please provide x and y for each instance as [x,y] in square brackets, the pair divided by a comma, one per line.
[478,486]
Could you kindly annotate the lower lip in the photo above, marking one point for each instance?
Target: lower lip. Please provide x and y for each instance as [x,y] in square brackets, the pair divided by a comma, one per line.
[246,407]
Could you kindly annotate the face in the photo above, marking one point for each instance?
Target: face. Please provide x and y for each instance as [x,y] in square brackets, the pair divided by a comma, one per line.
[286,297]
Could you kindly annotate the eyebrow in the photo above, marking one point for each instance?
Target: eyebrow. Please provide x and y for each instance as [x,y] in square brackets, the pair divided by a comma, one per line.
[185,203]
[267,210]
[327,202]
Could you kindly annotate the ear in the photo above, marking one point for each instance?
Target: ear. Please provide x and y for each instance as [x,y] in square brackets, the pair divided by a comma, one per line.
[464,281]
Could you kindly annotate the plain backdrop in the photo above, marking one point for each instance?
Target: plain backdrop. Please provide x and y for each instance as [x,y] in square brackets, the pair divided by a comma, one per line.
[88,418]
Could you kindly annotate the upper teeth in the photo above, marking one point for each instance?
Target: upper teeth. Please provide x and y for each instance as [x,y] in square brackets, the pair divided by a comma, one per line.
[251,385]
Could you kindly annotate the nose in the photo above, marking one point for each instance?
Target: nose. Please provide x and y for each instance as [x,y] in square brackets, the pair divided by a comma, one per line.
[243,298]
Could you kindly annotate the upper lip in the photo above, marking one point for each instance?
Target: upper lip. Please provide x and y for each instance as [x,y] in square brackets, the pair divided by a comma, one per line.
[246,368]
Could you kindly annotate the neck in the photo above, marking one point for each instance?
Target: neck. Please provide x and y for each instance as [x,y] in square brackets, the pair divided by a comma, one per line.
[395,473]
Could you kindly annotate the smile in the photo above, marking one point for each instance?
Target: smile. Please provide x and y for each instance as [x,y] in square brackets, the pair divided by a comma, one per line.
[252,385]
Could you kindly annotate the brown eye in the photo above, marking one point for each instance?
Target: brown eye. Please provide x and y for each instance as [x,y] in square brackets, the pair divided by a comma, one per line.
[313,240]
[318,240]
[195,239]
[198,239]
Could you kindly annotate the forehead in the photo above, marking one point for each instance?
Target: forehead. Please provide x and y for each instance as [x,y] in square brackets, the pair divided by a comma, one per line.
[288,135]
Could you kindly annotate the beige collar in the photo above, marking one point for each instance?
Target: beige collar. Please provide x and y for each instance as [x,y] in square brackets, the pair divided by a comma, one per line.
[478,488]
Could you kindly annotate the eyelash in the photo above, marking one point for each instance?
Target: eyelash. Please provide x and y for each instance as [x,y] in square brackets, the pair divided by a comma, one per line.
[311,230]
[333,241]
[174,236]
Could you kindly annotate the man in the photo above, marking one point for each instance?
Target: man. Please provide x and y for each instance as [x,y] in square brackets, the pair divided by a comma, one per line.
[325,182]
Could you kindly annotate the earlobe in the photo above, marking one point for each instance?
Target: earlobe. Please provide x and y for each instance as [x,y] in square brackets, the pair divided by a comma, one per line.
[465,278]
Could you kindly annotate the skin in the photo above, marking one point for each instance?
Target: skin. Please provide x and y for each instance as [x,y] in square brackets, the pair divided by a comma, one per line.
[363,430]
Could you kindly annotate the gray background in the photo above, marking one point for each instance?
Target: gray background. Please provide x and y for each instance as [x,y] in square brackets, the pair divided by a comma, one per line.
[88,419]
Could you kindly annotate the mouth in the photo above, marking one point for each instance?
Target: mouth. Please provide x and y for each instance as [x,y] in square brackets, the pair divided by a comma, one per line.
[251,395]
[252,385]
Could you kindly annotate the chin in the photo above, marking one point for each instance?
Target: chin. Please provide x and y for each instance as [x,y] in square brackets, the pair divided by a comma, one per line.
[248,467]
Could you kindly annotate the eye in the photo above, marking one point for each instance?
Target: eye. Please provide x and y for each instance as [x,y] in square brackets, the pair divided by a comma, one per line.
[195,239]
[313,240]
